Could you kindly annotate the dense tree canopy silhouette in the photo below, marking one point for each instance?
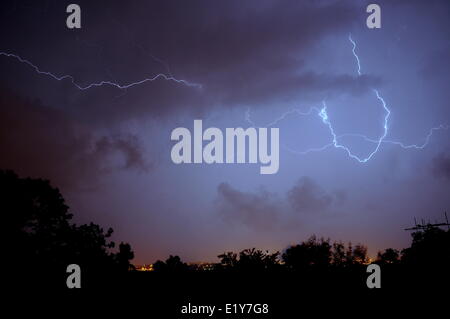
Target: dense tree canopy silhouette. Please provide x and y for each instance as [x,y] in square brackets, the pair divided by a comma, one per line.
[249,260]
[430,248]
[172,264]
[388,256]
[42,236]
[320,254]
[312,252]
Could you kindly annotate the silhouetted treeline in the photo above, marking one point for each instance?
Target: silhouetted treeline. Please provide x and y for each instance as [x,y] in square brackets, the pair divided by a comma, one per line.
[311,254]
[430,249]
[173,263]
[44,241]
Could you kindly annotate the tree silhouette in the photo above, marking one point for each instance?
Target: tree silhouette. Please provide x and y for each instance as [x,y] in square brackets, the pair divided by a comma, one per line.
[249,260]
[338,256]
[359,255]
[320,254]
[172,264]
[310,253]
[124,256]
[388,256]
[38,225]
[430,248]
[228,260]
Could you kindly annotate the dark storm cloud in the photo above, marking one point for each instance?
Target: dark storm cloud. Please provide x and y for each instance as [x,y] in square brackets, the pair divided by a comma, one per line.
[245,54]
[307,196]
[441,166]
[263,210]
[128,146]
[36,140]
[307,85]
[255,210]
[241,53]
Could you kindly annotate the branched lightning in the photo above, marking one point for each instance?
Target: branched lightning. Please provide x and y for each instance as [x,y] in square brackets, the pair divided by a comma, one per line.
[322,113]
[101,83]
[401,144]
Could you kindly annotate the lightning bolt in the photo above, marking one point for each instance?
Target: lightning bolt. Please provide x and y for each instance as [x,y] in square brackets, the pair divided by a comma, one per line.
[322,113]
[401,144]
[101,83]
[358,63]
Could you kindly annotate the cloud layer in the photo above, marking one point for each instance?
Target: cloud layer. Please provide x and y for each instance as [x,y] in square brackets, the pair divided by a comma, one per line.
[263,210]
[40,141]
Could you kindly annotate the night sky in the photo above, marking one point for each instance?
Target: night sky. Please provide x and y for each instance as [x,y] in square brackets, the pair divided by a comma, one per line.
[108,149]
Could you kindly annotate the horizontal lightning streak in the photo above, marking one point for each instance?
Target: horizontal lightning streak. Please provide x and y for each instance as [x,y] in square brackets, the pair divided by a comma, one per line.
[401,144]
[101,83]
